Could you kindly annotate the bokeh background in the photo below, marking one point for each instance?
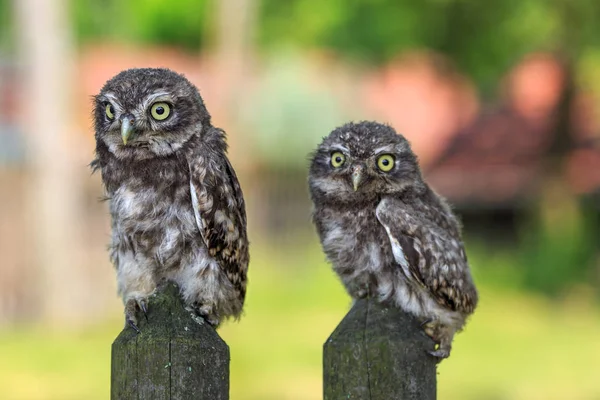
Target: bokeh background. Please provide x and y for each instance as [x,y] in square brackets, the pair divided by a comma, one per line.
[500,100]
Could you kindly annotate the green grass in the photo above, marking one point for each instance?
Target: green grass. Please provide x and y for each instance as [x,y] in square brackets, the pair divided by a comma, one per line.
[517,346]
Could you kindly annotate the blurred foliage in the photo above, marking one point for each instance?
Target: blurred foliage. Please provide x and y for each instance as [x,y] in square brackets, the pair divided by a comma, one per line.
[6,26]
[550,255]
[516,346]
[181,23]
[483,38]
[560,252]
[291,115]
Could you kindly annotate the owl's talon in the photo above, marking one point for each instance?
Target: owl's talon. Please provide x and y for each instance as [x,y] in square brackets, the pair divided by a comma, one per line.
[440,353]
[207,312]
[442,335]
[132,324]
[428,336]
[144,307]
[212,319]
[132,307]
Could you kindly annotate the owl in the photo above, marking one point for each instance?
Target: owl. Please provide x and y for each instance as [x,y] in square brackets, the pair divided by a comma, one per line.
[387,234]
[177,208]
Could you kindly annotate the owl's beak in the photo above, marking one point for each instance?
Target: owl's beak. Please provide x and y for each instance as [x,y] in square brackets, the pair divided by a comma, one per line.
[356,177]
[126,127]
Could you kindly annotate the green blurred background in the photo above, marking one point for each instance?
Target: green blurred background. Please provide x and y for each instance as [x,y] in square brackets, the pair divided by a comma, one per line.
[500,99]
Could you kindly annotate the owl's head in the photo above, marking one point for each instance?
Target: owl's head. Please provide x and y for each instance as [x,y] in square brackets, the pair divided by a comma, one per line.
[361,161]
[148,112]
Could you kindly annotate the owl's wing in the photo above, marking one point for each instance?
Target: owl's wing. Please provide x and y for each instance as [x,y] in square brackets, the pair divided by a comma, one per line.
[220,214]
[429,256]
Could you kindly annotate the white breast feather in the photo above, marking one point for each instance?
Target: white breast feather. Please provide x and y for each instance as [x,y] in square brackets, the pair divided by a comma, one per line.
[196,207]
[396,247]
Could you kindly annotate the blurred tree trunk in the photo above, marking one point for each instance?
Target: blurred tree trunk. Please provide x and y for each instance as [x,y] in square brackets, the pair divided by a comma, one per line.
[233,47]
[559,211]
[562,243]
[561,220]
[53,191]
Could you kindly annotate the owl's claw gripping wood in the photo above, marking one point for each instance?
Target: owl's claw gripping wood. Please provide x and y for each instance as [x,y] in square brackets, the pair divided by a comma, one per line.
[431,329]
[208,313]
[441,353]
[132,324]
[144,308]
[426,322]
[131,308]
[442,335]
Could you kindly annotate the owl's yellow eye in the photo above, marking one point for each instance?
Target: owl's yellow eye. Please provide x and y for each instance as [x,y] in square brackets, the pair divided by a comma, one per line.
[160,111]
[385,162]
[337,159]
[110,111]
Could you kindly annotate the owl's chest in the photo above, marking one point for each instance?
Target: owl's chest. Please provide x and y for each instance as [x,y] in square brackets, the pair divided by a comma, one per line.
[147,205]
[355,240]
[149,194]
[156,220]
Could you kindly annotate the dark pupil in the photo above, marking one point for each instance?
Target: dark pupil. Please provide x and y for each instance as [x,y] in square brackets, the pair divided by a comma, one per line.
[160,110]
[111,110]
[385,162]
[338,159]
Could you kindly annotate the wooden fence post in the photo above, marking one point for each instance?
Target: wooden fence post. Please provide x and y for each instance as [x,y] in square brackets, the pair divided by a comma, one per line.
[177,356]
[378,353]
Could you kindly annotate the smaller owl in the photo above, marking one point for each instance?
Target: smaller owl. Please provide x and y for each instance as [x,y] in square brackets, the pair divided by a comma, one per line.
[387,234]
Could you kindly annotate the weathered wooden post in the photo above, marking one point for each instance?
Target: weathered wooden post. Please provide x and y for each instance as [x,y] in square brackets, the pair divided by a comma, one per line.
[378,353]
[177,356]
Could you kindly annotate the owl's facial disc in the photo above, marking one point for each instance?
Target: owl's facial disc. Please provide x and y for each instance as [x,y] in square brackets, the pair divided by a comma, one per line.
[149,112]
[143,124]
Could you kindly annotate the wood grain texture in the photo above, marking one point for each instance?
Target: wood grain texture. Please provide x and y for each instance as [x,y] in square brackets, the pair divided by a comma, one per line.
[174,357]
[378,353]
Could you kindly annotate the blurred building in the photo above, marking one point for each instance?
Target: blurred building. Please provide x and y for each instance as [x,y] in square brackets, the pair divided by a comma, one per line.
[12,145]
[499,159]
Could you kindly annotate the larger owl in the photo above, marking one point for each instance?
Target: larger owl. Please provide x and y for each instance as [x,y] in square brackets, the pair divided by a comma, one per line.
[387,234]
[176,205]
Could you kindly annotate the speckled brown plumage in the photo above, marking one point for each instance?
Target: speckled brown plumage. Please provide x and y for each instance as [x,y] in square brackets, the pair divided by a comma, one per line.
[387,233]
[177,208]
